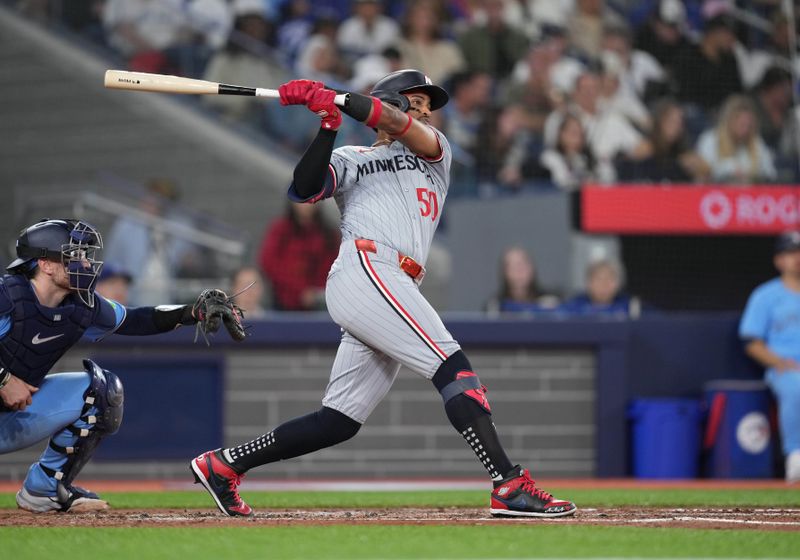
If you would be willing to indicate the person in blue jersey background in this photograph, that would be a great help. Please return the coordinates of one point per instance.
(770, 327)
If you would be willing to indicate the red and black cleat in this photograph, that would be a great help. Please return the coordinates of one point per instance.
(212, 471)
(517, 495)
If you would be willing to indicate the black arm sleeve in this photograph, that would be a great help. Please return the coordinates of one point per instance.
(311, 170)
(140, 321)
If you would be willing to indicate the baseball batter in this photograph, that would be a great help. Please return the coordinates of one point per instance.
(390, 196)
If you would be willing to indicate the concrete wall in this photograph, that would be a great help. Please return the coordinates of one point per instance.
(543, 404)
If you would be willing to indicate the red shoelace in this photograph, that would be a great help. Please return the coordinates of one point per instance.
(529, 485)
(233, 484)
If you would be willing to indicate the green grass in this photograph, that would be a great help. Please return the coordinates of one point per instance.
(535, 540)
(544, 539)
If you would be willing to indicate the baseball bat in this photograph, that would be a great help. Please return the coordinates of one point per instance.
(163, 83)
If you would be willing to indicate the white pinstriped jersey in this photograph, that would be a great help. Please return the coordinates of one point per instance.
(391, 195)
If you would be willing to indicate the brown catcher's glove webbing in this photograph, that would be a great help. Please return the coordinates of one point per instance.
(214, 308)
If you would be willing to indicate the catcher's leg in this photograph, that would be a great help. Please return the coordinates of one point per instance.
(96, 411)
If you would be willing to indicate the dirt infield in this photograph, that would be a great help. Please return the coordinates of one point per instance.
(690, 518)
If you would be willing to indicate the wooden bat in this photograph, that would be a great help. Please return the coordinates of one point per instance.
(163, 83)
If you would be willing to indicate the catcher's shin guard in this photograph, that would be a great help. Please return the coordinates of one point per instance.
(102, 411)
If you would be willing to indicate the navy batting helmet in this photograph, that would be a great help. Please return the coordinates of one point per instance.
(73, 243)
(390, 89)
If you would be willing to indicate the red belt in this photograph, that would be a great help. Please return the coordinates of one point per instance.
(406, 263)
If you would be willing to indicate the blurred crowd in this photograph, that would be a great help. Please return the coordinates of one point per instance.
(544, 92)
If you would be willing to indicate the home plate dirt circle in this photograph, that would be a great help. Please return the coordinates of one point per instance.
(775, 519)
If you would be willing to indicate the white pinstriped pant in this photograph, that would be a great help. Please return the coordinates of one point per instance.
(386, 322)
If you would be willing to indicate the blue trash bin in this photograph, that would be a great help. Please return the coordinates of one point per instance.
(666, 437)
(738, 440)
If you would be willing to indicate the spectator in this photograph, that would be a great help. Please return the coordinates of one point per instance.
(423, 46)
(754, 62)
(570, 161)
(734, 150)
(663, 36)
(169, 36)
(533, 17)
(493, 47)
(84, 17)
(603, 292)
(244, 60)
(247, 290)
(367, 31)
(770, 328)
(772, 101)
(610, 135)
(639, 73)
(296, 254)
(673, 159)
(514, 149)
(367, 70)
(618, 96)
(707, 73)
(585, 28)
(294, 30)
(114, 283)
(320, 59)
(464, 119)
(519, 290)
(142, 244)
(535, 92)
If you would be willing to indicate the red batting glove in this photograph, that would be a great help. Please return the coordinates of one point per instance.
(320, 101)
(294, 92)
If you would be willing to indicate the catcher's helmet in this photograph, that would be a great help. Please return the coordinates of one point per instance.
(389, 89)
(73, 243)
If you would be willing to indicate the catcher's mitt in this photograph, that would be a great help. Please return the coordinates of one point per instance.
(214, 308)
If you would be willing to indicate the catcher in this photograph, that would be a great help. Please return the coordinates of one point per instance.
(47, 303)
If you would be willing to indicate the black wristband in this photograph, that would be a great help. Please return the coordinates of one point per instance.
(358, 106)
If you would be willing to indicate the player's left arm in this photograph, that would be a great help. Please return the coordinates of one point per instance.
(414, 134)
(212, 309)
(113, 317)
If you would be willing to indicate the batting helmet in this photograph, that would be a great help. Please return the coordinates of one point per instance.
(73, 243)
(390, 89)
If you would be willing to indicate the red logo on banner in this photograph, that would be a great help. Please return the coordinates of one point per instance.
(686, 209)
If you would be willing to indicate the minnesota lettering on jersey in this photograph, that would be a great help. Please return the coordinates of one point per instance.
(400, 162)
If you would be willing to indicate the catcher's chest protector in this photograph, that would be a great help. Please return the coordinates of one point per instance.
(39, 335)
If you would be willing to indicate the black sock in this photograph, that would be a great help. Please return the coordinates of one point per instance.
(475, 424)
(318, 430)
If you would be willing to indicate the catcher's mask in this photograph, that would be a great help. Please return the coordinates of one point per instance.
(392, 87)
(73, 243)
